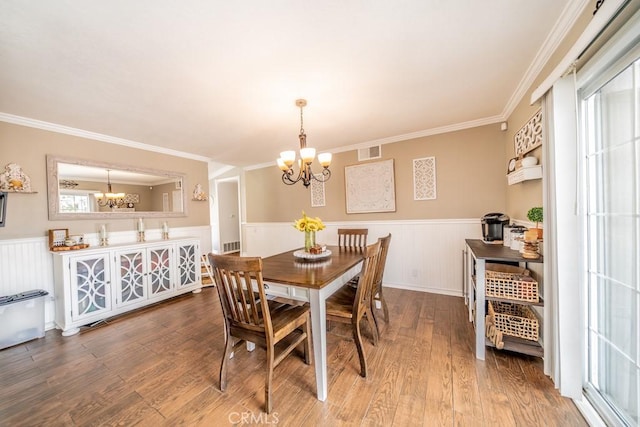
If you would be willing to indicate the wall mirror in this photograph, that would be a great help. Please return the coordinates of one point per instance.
(87, 189)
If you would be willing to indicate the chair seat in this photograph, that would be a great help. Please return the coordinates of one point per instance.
(340, 304)
(285, 318)
(283, 315)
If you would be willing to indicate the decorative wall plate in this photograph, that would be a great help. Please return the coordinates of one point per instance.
(14, 179)
(530, 136)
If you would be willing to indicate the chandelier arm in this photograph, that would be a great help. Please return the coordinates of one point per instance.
(322, 177)
(287, 180)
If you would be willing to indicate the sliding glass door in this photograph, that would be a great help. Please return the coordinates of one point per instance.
(611, 145)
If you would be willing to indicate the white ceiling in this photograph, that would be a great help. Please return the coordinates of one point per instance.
(219, 79)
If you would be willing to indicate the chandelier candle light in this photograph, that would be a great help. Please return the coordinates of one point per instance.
(307, 155)
(309, 226)
(110, 199)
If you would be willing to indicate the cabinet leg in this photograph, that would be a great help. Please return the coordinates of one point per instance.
(70, 332)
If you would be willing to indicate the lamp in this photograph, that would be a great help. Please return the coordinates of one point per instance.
(307, 154)
(109, 198)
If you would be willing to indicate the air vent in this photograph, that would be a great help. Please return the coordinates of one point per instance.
(374, 152)
(230, 247)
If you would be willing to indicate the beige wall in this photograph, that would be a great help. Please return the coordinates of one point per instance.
(470, 177)
(523, 196)
(27, 214)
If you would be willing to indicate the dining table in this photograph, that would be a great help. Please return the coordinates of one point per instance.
(314, 280)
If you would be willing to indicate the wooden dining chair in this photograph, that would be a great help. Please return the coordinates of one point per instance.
(376, 293)
(250, 316)
(351, 305)
(352, 238)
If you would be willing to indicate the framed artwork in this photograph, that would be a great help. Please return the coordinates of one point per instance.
(317, 194)
(370, 187)
(57, 237)
(530, 136)
(3, 208)
(424, 178)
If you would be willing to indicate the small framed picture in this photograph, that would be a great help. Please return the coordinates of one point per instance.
(3, 208)
(57, 237)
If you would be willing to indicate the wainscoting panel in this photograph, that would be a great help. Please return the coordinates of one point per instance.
(27, 264)
(424, 255)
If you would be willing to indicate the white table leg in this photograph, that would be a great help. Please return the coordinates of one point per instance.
(319, 332)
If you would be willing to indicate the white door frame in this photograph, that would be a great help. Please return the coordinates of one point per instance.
(235, 179)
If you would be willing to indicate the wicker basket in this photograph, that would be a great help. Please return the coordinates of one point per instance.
(515, 320)
(506, 268)
(515, 286)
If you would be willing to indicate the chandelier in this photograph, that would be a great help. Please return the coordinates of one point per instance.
(307, 154)
(110, 199)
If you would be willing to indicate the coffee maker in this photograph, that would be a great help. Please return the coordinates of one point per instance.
(492, 224)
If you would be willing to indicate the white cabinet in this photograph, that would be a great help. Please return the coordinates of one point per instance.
(189, 271)
(94, 284)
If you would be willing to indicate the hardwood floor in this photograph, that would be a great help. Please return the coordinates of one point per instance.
(159, 366)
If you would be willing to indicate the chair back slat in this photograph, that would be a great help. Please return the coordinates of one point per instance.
(382, 259)
(235, 279)
(352, 238)
(365, 282)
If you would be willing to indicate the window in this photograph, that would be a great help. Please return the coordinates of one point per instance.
(611, 143)
(76, 202)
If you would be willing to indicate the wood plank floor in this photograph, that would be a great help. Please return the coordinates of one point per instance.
(159, 367)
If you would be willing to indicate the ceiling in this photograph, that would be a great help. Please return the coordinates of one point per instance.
(219, 79)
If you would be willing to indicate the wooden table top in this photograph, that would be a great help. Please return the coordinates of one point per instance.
(497, 252)
(287, 269)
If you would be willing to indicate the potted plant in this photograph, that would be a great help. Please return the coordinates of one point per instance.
(535, 215)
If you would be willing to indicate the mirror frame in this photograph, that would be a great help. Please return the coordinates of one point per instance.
(53, 188)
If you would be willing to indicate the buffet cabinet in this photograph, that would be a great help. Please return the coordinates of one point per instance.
(94, 284)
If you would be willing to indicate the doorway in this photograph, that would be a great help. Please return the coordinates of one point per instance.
(228, 210)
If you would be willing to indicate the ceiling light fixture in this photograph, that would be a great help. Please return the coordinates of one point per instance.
(110, 199)
(307, 154)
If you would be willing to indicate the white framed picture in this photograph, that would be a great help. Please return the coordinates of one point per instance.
(317, 194)
(370, 187)
(424, 178)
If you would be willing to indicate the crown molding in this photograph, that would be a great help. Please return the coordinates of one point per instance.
(422, 133)
(52, 127)
(404, 137)
(565, 22)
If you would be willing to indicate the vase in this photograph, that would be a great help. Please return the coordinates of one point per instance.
(309, 240)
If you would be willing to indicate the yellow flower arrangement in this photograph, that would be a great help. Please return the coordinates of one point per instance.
(307, 223)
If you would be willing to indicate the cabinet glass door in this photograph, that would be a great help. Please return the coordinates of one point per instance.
(159, 270)
(90, 285)
(130, 279)
(188, 265)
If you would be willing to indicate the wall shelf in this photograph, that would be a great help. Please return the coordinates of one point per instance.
(525, 174)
